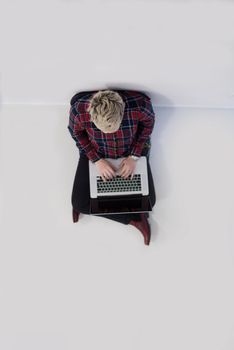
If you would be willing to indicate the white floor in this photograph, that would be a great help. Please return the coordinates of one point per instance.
(95, 285)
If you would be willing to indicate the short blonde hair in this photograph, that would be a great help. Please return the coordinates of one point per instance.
(106, 109)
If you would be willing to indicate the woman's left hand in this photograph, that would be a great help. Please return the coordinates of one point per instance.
(127, 167)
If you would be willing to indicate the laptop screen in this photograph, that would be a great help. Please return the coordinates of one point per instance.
(120, 204)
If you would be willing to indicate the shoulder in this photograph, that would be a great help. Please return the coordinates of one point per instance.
(134, 99)
(133, 94)
(81, 96)
(80, 101)
(138, 101)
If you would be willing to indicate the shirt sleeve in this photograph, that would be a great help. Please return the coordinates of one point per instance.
(80, 136)
(145, 127)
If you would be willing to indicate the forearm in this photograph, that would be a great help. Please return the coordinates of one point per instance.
(145, 128)
(84, 144)
(140, 142)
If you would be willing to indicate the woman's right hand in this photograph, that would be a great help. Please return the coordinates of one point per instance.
(105, 169)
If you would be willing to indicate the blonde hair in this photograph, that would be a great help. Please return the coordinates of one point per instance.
(106, 109)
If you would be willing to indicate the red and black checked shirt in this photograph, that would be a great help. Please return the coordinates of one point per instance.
(135, 129)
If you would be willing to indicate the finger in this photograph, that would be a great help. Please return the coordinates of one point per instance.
(107, 176)
(109, 170)
(120, 170)
(132, 174)
(103, 178)
(125, 174)
(113, 168)
(126, 170)
(129, 174)
(112, 173)
(122, 163)
(123, 171)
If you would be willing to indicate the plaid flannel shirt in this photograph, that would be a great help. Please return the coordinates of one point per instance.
(134, 132)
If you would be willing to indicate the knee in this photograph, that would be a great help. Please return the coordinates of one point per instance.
(84, 211)
(80, 201)
(153, 200)
(153, 203)
(81, 207)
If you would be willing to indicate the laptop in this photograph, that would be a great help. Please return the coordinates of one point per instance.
(119, 195)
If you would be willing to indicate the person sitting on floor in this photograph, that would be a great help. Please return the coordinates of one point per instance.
(111, 124)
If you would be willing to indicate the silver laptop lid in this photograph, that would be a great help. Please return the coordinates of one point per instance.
(118, 185)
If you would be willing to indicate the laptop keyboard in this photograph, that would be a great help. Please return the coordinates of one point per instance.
(119, 184)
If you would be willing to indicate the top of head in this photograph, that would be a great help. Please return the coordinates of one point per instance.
(106, 109)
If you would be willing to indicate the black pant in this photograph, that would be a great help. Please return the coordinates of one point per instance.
(81, 192)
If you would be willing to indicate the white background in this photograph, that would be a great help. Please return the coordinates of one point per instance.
(180, 50)
(94, 284)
